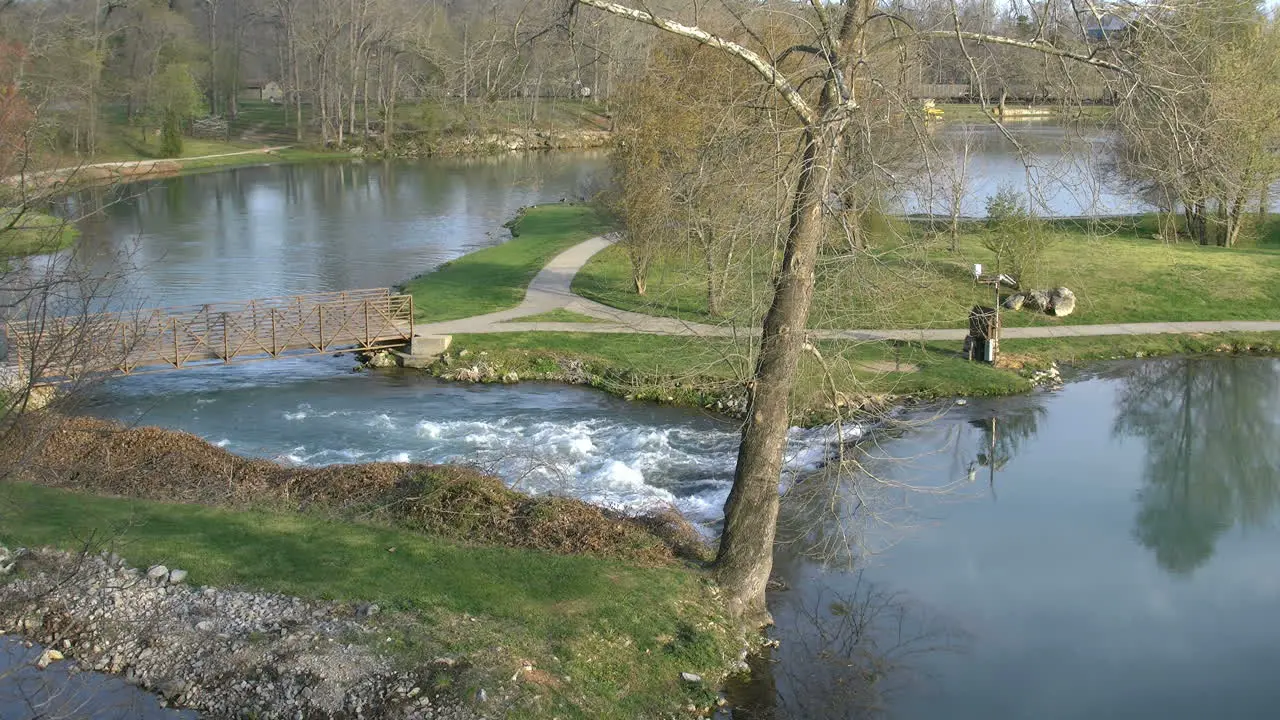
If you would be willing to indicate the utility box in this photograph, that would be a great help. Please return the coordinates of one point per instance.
(983, 341)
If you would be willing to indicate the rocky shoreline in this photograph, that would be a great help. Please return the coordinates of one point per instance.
(509, 141)
(224, 653)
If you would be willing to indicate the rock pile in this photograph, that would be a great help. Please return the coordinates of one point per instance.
(1058, 302)
(225, 653)
(1050, 377)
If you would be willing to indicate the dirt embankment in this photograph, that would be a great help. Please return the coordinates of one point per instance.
(449, 501)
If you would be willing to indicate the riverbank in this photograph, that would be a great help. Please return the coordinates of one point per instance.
(552, 606)
(26, 232)
(195, 647)
(266, 133)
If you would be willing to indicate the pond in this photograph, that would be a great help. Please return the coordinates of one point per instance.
(1108, 550)
(313, 227)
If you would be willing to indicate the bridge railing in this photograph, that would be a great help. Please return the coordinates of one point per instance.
(177, 337)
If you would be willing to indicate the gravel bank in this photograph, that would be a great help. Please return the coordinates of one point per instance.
(224, 653)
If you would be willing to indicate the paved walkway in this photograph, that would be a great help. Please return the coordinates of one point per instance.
(130, 168)
(551, 290)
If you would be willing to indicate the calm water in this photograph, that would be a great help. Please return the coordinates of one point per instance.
(55, 693)
(286, 229)
(1065, 169)
(1109, 551)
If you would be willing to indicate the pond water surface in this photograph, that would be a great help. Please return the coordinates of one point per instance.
(1110, 550)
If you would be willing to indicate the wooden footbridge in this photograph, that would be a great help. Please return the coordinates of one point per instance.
(201, 335)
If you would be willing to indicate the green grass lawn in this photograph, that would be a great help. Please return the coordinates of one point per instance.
(27, 232)
(557, 315)
(621, 634)
(496, 278)
(1042, 351)
(1118, 272)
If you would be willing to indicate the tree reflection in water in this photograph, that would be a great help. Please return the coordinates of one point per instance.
(847, 644)
(1001, 437)
(1212, 432)
(848, 650)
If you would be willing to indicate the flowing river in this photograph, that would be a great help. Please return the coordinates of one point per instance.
(1104, 550)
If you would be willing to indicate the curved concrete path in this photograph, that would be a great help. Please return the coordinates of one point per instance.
(552, 289)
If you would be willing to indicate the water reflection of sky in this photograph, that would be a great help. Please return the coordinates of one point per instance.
(1069, 608)
(286, 229)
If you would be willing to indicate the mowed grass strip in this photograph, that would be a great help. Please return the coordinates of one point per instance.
(621, 634)
(1118, 272)
(26, 232)
(495, 278)
(558, 315)
(691, 371)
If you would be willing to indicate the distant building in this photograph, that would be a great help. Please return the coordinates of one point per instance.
(268, 90)
(1108, 28)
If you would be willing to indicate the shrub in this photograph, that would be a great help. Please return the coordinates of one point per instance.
(1014, 235)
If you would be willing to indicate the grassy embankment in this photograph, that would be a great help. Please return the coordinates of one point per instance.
(427, 127)
(463, 567)
(1120, 275)
(32, 233)
(495, 278)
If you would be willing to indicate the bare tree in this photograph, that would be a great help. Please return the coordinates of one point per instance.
(828, 84)
(1201, 137)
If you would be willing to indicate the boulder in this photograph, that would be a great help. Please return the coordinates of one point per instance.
(48, 657)
(1037, 300)
(177, 576)
(1062, 302)
(158, 572)
(381, 359)
(1014, 301)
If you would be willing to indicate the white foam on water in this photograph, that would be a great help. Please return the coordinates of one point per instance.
(614, 462)
(223, 442)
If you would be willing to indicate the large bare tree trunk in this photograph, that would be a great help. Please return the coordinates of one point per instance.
(745, 558)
